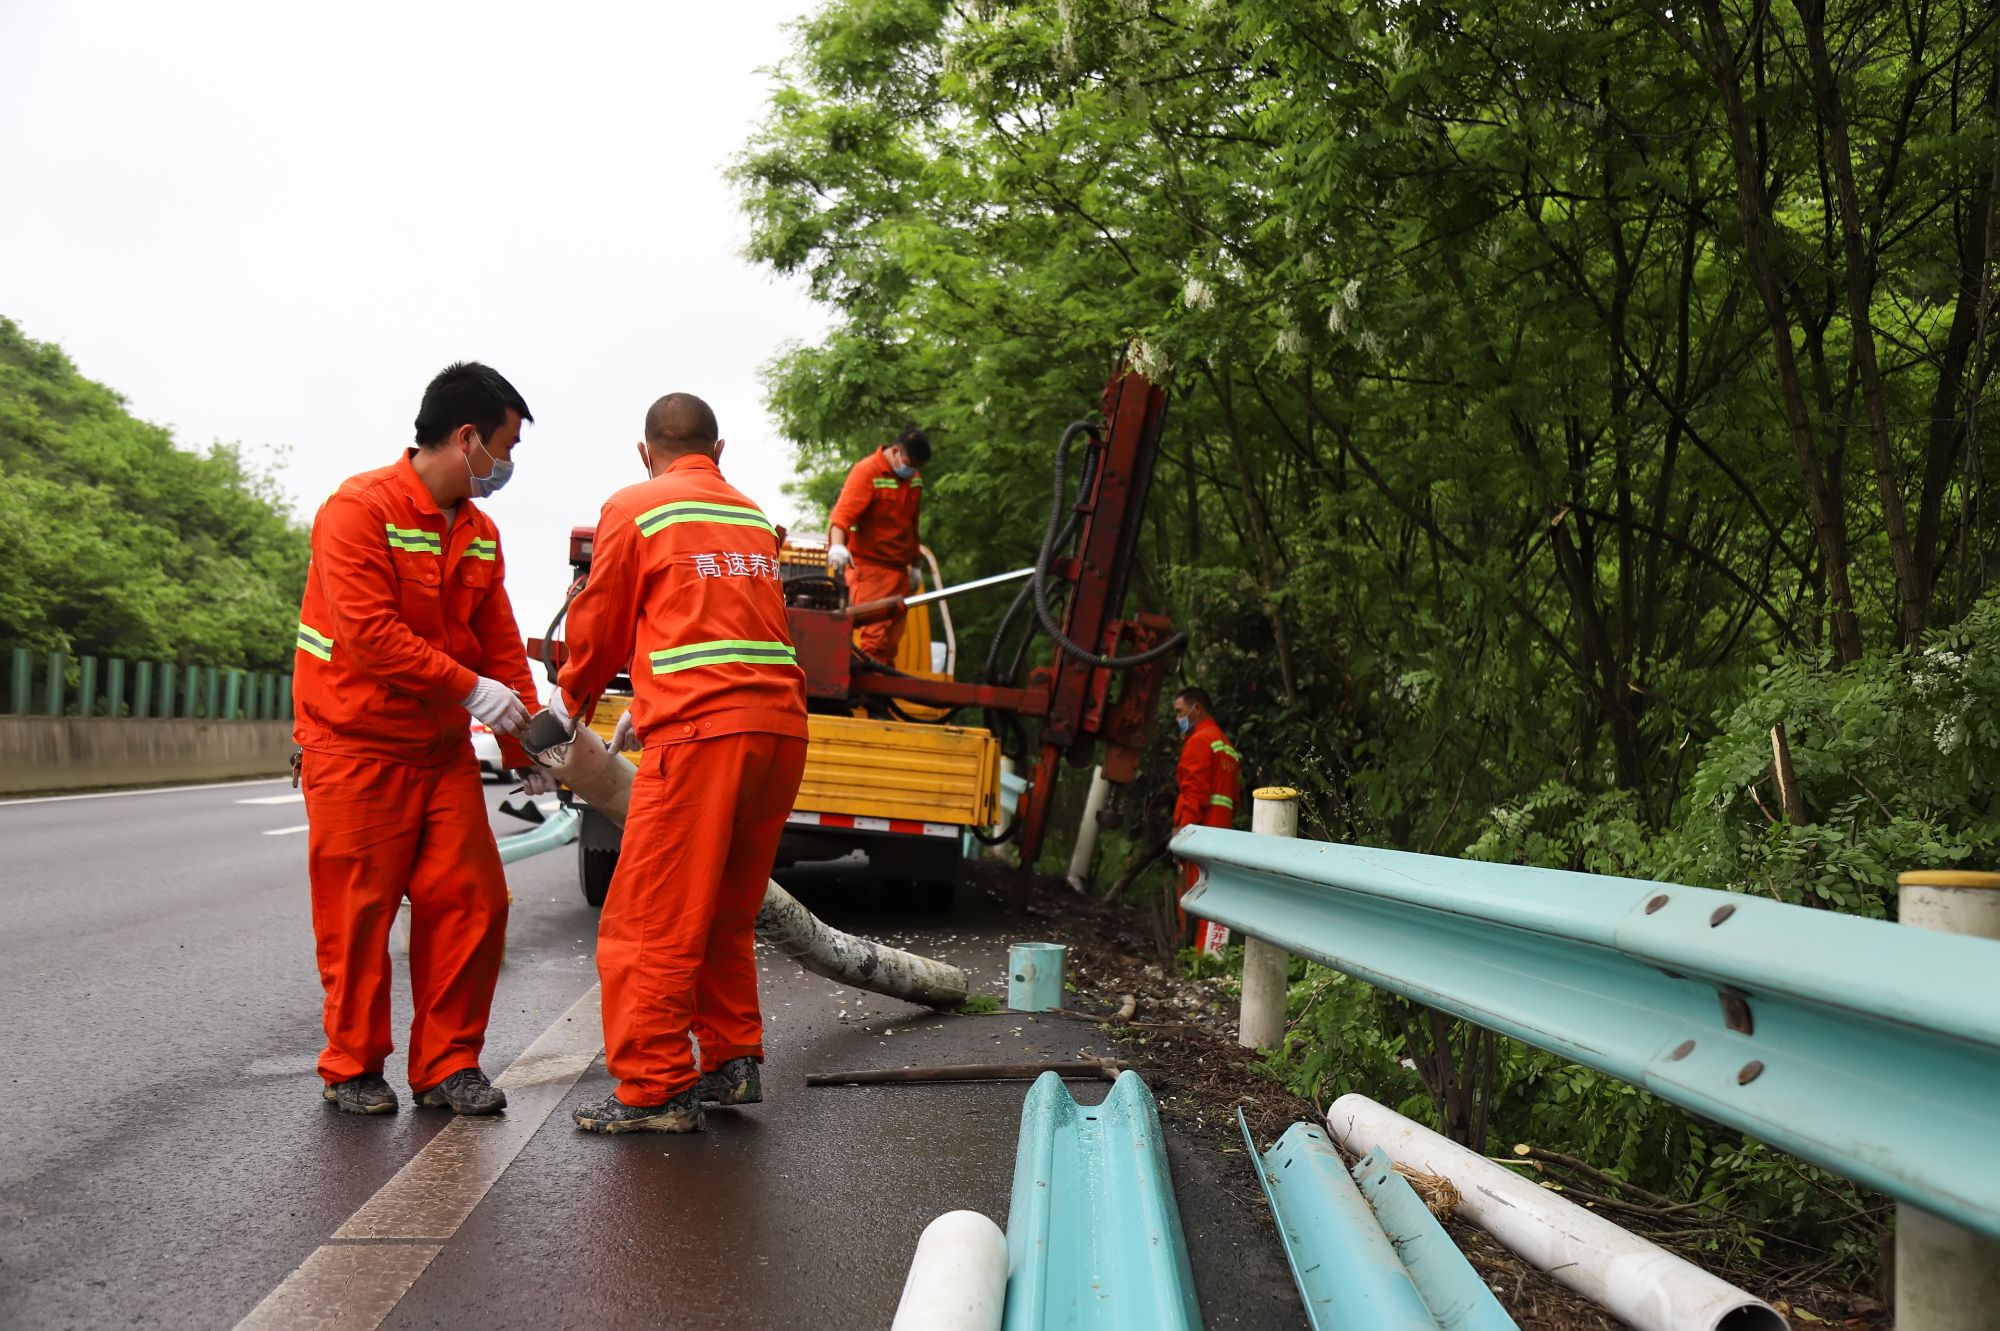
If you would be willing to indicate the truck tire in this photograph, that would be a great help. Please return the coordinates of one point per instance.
(594, 868)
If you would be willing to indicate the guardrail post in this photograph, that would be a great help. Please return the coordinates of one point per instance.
(285, 693)
(114, 686)
(1274, 811)
(167, 693)
(232, 695)
(52, 694)
(21, 672)
(142, 689)
(1086, 831)
(270, 706)
(214, 690)
(86, 685)
(1947, 1277)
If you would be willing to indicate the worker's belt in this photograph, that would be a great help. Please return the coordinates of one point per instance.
(723, 651)
(697, 510)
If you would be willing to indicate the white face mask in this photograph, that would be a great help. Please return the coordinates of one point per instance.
(497, 476)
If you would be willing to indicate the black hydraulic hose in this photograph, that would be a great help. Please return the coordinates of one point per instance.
(1040, 582)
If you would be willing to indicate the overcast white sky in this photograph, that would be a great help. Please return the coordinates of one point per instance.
(272, 223)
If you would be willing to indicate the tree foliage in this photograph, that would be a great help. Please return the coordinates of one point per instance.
(115, 541)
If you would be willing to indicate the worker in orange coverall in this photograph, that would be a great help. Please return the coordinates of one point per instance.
(872, 534)
(684, 588)
(1204, 779)
(405, 632)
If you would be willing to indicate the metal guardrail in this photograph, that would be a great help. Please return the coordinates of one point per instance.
(57, 684)
(559, 830)
(1867, 1047)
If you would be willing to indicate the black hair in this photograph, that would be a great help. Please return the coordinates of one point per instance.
(917, 444)
(467, 393)
(1198, 695)
(680, 423)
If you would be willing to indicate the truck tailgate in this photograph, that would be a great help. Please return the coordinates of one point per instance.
(892, 769)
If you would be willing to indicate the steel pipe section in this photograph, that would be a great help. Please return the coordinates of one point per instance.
(1868, 1048)
(1094, 1239)
(558, 830)
(958, 1278)
(1643, 1284)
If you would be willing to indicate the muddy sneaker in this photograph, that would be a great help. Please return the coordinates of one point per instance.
(736, 1082)
(680, 1114)
(464, 1092)
(361, 1095)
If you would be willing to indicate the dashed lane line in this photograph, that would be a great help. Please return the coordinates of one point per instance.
(356, 1279)
(295, 797)
(285, 831)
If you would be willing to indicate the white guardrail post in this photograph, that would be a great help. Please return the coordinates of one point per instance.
(1274, 811)
(1947, 1277)
(1086, 831)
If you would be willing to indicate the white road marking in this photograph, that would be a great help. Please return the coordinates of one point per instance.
(286, 831)
(296, 797)
(356, 1279)
(154, 790)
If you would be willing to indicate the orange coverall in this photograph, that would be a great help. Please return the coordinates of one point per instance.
(403, 611)
(1204, 786)
(878, 510)
(684, 586)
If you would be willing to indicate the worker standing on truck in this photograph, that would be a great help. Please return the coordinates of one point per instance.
(405, 630)
(1205, 778)
(684, 588)
(872, 534)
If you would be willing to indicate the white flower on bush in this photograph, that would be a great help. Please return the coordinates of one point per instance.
(1292, 341)
(1198, 294)
(1149, 360)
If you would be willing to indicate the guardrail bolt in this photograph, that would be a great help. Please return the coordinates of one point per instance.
(1749, 1073)
(1681, 1051)
(1656, 903)
(1721, 913)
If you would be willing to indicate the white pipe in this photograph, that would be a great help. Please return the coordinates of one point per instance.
(1640, 1283)
(1086, 832)
(1274, 811)
(1947, 1277)
(944, 614)
(958, 1279)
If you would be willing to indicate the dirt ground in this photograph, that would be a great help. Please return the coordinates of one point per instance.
(1181, 1035)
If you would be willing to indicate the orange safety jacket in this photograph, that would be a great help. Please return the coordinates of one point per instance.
(878, 510)
(403, 611)
(1205, 779)
(684, 589)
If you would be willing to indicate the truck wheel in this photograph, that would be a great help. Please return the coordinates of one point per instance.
(594, 868)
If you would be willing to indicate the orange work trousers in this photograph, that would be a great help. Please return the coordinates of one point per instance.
(870, 581)
(380, 831)
(676, 943)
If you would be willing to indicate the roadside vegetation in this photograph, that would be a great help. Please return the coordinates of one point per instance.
(1580, 417)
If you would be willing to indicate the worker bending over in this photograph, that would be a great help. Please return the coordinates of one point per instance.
(404, 630)
(684, 587)
(1205, 778)
(872, 534)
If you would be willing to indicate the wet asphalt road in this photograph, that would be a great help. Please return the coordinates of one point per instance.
(165, 1159)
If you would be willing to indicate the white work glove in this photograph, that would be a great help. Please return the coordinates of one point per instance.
(537, 780)
(837, 557)
(916, 579)
(624, 739)
(561, 712)
(498, 706)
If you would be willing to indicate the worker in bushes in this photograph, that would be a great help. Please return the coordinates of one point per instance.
(404, 631)
(684, 587)
(872, 534)
(1205, 779)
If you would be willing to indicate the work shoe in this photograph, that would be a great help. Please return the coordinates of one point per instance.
(736, 1082)
(612, 1115)
(464, 1092)
(366, 1094)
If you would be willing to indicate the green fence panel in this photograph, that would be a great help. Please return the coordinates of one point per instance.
(167, 694)
(114, 686)
(86, 686)
(142, 688)
(286, 691)
(21, 676)
(232, 696)
(191, 692)
(52, 694)
(214, 693)
(270, 691)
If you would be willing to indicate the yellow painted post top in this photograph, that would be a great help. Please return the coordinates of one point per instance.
(1948, 878)
(1274, 793)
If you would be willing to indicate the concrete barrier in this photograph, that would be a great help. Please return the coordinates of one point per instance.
(51, 753)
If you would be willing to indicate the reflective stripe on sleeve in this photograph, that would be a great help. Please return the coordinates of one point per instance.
(414, 539)
(483, 549)
(1222, 800)
(1222, 746)
(696, 510)
(314, 643)
(722, 651)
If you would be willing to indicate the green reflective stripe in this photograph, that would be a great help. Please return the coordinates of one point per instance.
(315, 643)
(916, 482)
(722, 651)
(1223, 800)
(414, 539)
(1222, 746)
(885, 482)
(488, 550)
(697, 510)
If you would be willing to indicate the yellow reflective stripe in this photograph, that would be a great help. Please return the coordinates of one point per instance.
(1222, 746)
(722, 651)
(414, 539)
(886, 482)
(314, 643)
(487, 550)
(700, 510)
(1223, 800)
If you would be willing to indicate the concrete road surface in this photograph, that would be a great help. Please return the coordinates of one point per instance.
(165, 1159)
